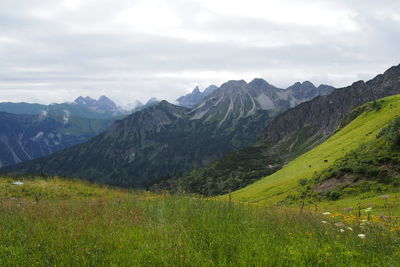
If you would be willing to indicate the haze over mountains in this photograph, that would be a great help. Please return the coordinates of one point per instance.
(164, 140)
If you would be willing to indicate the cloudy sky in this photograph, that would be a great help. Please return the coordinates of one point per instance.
(54, 51)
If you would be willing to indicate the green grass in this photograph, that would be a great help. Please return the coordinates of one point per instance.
(79, 224)
(362, 130)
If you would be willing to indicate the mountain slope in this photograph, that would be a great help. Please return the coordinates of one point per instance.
(24, 137)
(362, 130)
(301, 128)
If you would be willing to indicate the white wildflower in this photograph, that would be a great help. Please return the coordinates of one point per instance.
(351, 229)
(324, 222)
(326, 213)
(362, 236)
(341, 230)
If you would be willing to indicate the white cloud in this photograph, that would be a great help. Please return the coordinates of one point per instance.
(56, 50)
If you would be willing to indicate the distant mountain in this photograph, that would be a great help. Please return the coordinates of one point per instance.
(152, 101)
(103, 105)
(195, 96)
(164, 140)
(136, 105)
(25, 137)
(305, 91)
(85, 107)
(238, 99)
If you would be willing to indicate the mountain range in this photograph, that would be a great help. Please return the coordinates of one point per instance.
(164, 140)
(289, 135)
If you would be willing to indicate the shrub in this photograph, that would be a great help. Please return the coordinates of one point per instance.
(392, 133)
(303, 181)
(334, 195)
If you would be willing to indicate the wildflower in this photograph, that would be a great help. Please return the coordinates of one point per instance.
(324, 222)
(364, 220)
(385, 196)
(348, 209)
(362, 236)
(341, 230)
(326, 213)
(368, 209)
(17, 183)
(349, 228)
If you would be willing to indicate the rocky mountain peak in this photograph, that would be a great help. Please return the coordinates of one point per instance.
(210, 89)
(102, 105)
(258, 82)
(233, 84)
(152, 101)
(84, 100)
(195, 96)
(196, 90)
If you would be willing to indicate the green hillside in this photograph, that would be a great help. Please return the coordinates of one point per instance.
(362, 130)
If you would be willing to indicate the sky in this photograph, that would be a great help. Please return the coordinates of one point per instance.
(54, 51)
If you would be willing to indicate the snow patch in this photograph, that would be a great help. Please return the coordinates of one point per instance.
(66, 116)
(37, 136)
(43, 114)
(131, 157)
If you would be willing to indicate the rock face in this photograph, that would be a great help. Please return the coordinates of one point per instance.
(164, 139)
(24, 137)
(195, 97)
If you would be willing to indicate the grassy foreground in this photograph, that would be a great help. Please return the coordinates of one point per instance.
(57, 222)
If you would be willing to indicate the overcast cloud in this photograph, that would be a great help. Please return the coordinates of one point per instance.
(54, 51)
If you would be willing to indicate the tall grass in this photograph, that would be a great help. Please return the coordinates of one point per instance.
(141, 229)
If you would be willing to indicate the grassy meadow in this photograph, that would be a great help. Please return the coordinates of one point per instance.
(56, 222)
